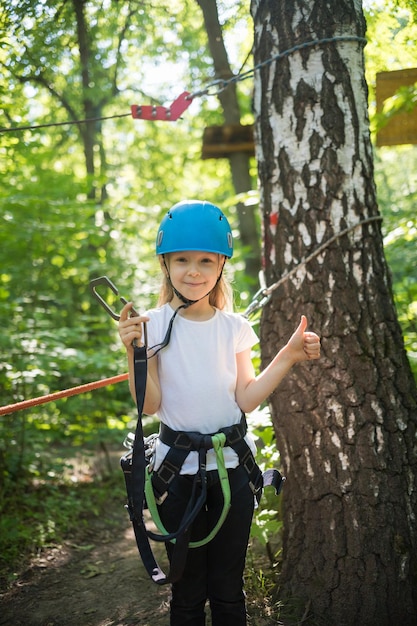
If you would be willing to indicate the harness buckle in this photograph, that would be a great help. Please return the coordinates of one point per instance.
(249, 462)
(167, 472)
(159, 500)
(234, 435)
(182, 441)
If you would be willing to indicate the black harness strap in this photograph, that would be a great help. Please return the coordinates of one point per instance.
(182, 442)
(134, 467)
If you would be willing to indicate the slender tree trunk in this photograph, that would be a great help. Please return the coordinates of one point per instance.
(346, 427)
(239, 161)
(88, 130)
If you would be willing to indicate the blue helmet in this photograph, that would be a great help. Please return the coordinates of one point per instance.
(195, 225)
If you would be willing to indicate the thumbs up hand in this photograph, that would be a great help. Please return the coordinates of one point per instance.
(303, 345)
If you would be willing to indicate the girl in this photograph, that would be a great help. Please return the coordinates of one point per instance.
(201, 378)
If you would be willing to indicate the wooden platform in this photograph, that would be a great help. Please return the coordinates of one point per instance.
(402, 128)
(221, 141)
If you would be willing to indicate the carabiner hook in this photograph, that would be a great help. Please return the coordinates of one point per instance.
(104, 280)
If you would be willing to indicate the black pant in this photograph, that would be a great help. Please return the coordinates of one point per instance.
(213, 572)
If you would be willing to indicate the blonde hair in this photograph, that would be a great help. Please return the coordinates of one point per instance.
(220, 297)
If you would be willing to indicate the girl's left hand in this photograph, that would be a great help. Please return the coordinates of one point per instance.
(304, 345)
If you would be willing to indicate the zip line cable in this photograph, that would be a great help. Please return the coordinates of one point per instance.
(218, 85)
(69, 123)
(222, 84)
(263, 296)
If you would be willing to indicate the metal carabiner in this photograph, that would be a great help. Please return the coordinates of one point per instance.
(104, 280)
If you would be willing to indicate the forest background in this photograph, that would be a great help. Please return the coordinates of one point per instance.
(65, 220)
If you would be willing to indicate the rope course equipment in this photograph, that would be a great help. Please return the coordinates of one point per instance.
(66, 393)
(263, 296)
(183, 101)
(161, 113)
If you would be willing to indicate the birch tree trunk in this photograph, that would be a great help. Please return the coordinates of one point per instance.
(345, 426)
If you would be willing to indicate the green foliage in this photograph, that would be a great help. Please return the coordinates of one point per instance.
(53, 240)
(43, 512)
(395, 175)
(391, 33)
(409, 5)
(264, 556)
(267, 525)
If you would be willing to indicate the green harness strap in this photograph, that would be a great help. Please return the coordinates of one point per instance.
(218, 441)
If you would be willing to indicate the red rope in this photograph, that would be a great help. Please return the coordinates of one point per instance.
(66, 393)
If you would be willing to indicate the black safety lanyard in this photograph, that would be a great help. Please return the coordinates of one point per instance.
(135, 485)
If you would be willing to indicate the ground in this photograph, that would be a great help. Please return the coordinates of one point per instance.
(99, 582)
(97, 579)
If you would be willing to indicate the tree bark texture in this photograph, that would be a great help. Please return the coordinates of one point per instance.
(346, 425)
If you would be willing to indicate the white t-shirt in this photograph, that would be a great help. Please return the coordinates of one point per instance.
(197, 374)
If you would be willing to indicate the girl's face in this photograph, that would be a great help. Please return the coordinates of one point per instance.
(193, 274)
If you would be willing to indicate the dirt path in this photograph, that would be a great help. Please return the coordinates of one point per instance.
(96, 580)
(100, 582)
